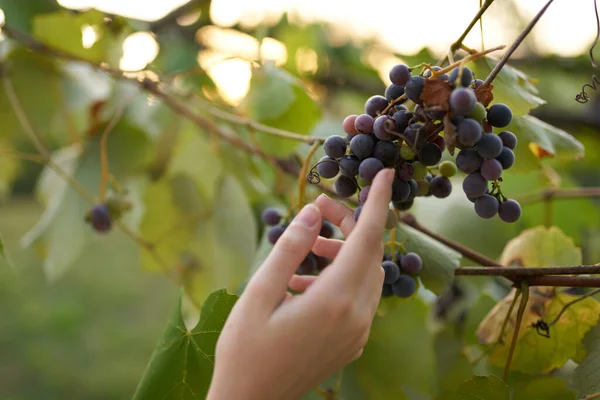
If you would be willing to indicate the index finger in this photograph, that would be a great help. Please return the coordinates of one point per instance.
(362, 251)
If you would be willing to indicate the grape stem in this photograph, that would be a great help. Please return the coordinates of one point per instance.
(469, 58)
(516, 44)
(520, 312)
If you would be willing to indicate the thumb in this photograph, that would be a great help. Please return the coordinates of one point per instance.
(271, 280)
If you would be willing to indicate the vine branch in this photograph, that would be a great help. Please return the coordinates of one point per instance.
(528, 271)
(458, 43)
(565, 193)
(513, 343)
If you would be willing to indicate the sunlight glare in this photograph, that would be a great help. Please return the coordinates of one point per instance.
(89, 36)
(307, 61)
(139, 49)
(232, 78)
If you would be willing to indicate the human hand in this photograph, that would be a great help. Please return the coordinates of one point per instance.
(278, 346)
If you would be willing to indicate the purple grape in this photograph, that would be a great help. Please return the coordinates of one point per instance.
(327, 168)
(440, 187)
(369, 167)
(344, 186)
(386, 152)
(375, 105)
(399, 74)
(469, 132)
(405, 286)
(384, 128)
(400, 190)
(414, 88)
(335, 147)
(403, 205)
(506, 158)
(478, 82)
(392, 92)
(462, 101)
(364, 194)
(499, 115)
(411, 263)
(508, 139)
(364, 123)
(405, 171)
(392, 272)
(362, 146)
(271, 217)
(509, 211)
(308, 266)
(357, 212)
(275, 233)
(414, 189)
(475, 185)
(491, 169)
(99, 218)
(486, 206)
(466, 77)
(348, 124)
(326, 229)
(489, 146)
(468, 161)
(349, 165)
(430, 154)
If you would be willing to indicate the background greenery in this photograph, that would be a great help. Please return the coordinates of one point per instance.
(80, 314)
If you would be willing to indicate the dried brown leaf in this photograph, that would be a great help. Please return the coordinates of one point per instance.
(436, 93)
(449, 134)
(484, 94)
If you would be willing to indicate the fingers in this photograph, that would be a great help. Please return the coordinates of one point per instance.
(328, 248)
(271, 280)
(363, 249)
(300, 283)
(337, 213)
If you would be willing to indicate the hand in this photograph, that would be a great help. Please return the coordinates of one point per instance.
(278, 346)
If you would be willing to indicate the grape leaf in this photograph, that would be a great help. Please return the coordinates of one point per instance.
(537, 140)
(4, 254)
(439, 261)
(451, 364)
(480, 388)
(9, 169)
(543, 388)
(278, 99)
(511, 86)
(585, 379)
(182, 364)
(19, 14)
(541, 247)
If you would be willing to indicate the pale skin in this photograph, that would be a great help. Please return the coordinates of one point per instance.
(276, 345)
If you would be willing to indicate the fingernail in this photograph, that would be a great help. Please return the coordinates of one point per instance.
(308, 216)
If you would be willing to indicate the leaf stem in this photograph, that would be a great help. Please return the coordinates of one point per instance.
(516, 44)
(520, 312)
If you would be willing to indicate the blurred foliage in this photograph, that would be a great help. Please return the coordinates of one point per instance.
(75, 299)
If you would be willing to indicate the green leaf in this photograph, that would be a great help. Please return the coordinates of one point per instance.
(538, 140)
(481, 307)
(451, 364)
(63, 30)
(9, 169)
(585, 379)
(4, 254)
(543, 388)
(19, 14)
(439, 261)
(541, 247)
(511, 86)
(182, 364)
(480, 388)
(278, 99)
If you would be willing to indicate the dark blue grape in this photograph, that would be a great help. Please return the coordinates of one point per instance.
(364, 194)
(489, 146)
(430, 154)
(375, 105)
(275, 233)
(335, 147)
(405, 171)
(466, 77)
(405, 286)
(399, 74)
(462, 101)
(100, 218)
(478, 82)
(508, 139)
(468, 161)
(326, 229)
(386, 291)
(440, 187)
(472, 199)
(392, 272)
(443, 77)
(384, 128)
(509, 211)
(411, 263)
(357, 212)
(308, 266)
(414, 189)
(386, 152)
(327, 167)
(475, 185)
(469, 132)
(499, 115)
(364, 123)
(491, 169)
(506, 158)
(403, 205)
(362, 146)
(392, 92)
(271, 216)
(349, 165)
(322, 263)
(414, 88)
(486, 206)
(369, 167)
(344, 186)
(400, 190)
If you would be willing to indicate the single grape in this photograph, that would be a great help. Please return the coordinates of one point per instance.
(466, 77)
(369, 167)
(386, 291)
(400, 190)
(335, 146)
(399, 107)
(308, 266)
(384, 128)
(344, 186)
(362, 146)
(475, 185)
(357, 212)
(427, 72)
(423, 187)
(469, 132)
(348, 124)
(420, 170)
(392, 272)
(430, 154)
(364, 194)
(489, 146)
(392, 92)
(478, 113)
(322, 263)
(275, 233)
(447, 169)
(326, 229)
(405, 286)
(327, 167)
(486, 206)
(403, 205)
(391, 220)
(414, 88)
(99, 218)
(508, 139)
(440, 187)
(462, 101)
(468, 161)
(478, 82)
(364, 123)
(414, 189)
(402, 119)
(509, 211)
(349, 165)
(411, 263)
(506, 158)
(440, 142)
(405, 171)
(399, 74)
(271, 216)
(499, 115)
(407, 153)
(491, 169)
(410, 133)
(375, 105)
(472, 199)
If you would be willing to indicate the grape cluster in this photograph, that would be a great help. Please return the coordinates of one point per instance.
(312, 263)
(411, 141)
(401, 274)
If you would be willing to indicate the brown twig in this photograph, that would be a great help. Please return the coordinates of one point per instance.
(569, 304)
(528, 271)
(565, 193)
(516, 44)
(520, 312)
(456, 45)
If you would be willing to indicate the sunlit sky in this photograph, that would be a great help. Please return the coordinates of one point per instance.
(567, 28)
